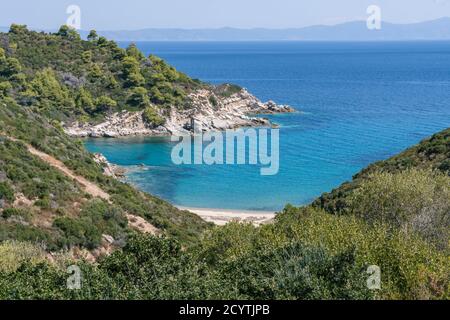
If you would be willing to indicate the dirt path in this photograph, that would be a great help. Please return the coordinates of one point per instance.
(88, 186)
(135, 222)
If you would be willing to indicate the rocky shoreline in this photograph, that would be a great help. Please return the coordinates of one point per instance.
(109, 169)
(208, 112)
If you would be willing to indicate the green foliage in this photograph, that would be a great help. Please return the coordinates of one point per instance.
(131, 72)
(78, 233)
(10, 67)
(296, 271)
(411, 268)
(15, 212)
(168, 85)
(105, 104)
(5, 88)
(396, 218)
(84, 101)
(99, 66)
(134, 52)
(152, 117)
(93, 36)
(48, 94)
(227, 90)
(213, 101)
(445, 166)
(6, 192)
(96, 219)
(96, 71)
(68, 33)
(139, 97)
(414, 200)
(25, 233)
(18, 29)
(305, 254)
(13, 254)
(58, 194)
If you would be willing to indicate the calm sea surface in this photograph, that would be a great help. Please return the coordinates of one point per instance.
(360, 102)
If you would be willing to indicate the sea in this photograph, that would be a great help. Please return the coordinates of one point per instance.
(357, 103)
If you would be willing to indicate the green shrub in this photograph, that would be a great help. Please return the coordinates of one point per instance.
(213, 101)
(296, 271)
(10, 212)
(78, 232)
(6, 192)
(411, 268)
(134, 52)
(13, 254)
(24, 233)
(227, 90)
(413, 200)
(131, 72)
(105, 103)
(5, 88)
(139, 97)
(152, 117)
(445, 166)
(96, 218)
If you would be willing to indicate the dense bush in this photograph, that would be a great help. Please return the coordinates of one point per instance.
(413, 200)
(16, 212)
(304, 255)
(71, 79)
(6, 192)
(13, 254)
(152, 117)
(95, 219)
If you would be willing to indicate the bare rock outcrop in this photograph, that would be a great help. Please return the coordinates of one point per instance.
(109, 169)
(208, 110)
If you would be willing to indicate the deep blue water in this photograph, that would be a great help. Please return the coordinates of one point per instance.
(361, 102)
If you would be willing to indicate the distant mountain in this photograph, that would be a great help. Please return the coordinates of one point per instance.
(351, 31)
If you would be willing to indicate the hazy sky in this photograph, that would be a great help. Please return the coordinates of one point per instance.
(137, 14)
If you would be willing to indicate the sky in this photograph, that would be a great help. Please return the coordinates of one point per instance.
(140, 14)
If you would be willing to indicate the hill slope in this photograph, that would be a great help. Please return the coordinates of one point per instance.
(58, 208)
(432, 153)
(43, 203)
(97, 88)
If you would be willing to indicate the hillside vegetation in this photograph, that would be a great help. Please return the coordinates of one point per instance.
(57, 200)
(432, 153)
(69, 79)
(394, 214)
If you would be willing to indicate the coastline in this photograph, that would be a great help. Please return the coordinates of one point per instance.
(221, 217)
(225, 113)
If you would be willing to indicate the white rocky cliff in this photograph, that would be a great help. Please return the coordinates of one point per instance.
(208, 111)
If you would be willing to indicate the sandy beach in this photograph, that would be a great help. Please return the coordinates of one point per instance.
(223, 216)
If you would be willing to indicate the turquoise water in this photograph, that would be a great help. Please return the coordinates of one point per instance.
(360, 102)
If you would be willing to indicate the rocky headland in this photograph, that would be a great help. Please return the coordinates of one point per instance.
(208, 111)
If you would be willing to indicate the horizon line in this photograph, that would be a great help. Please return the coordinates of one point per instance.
(227, 27)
